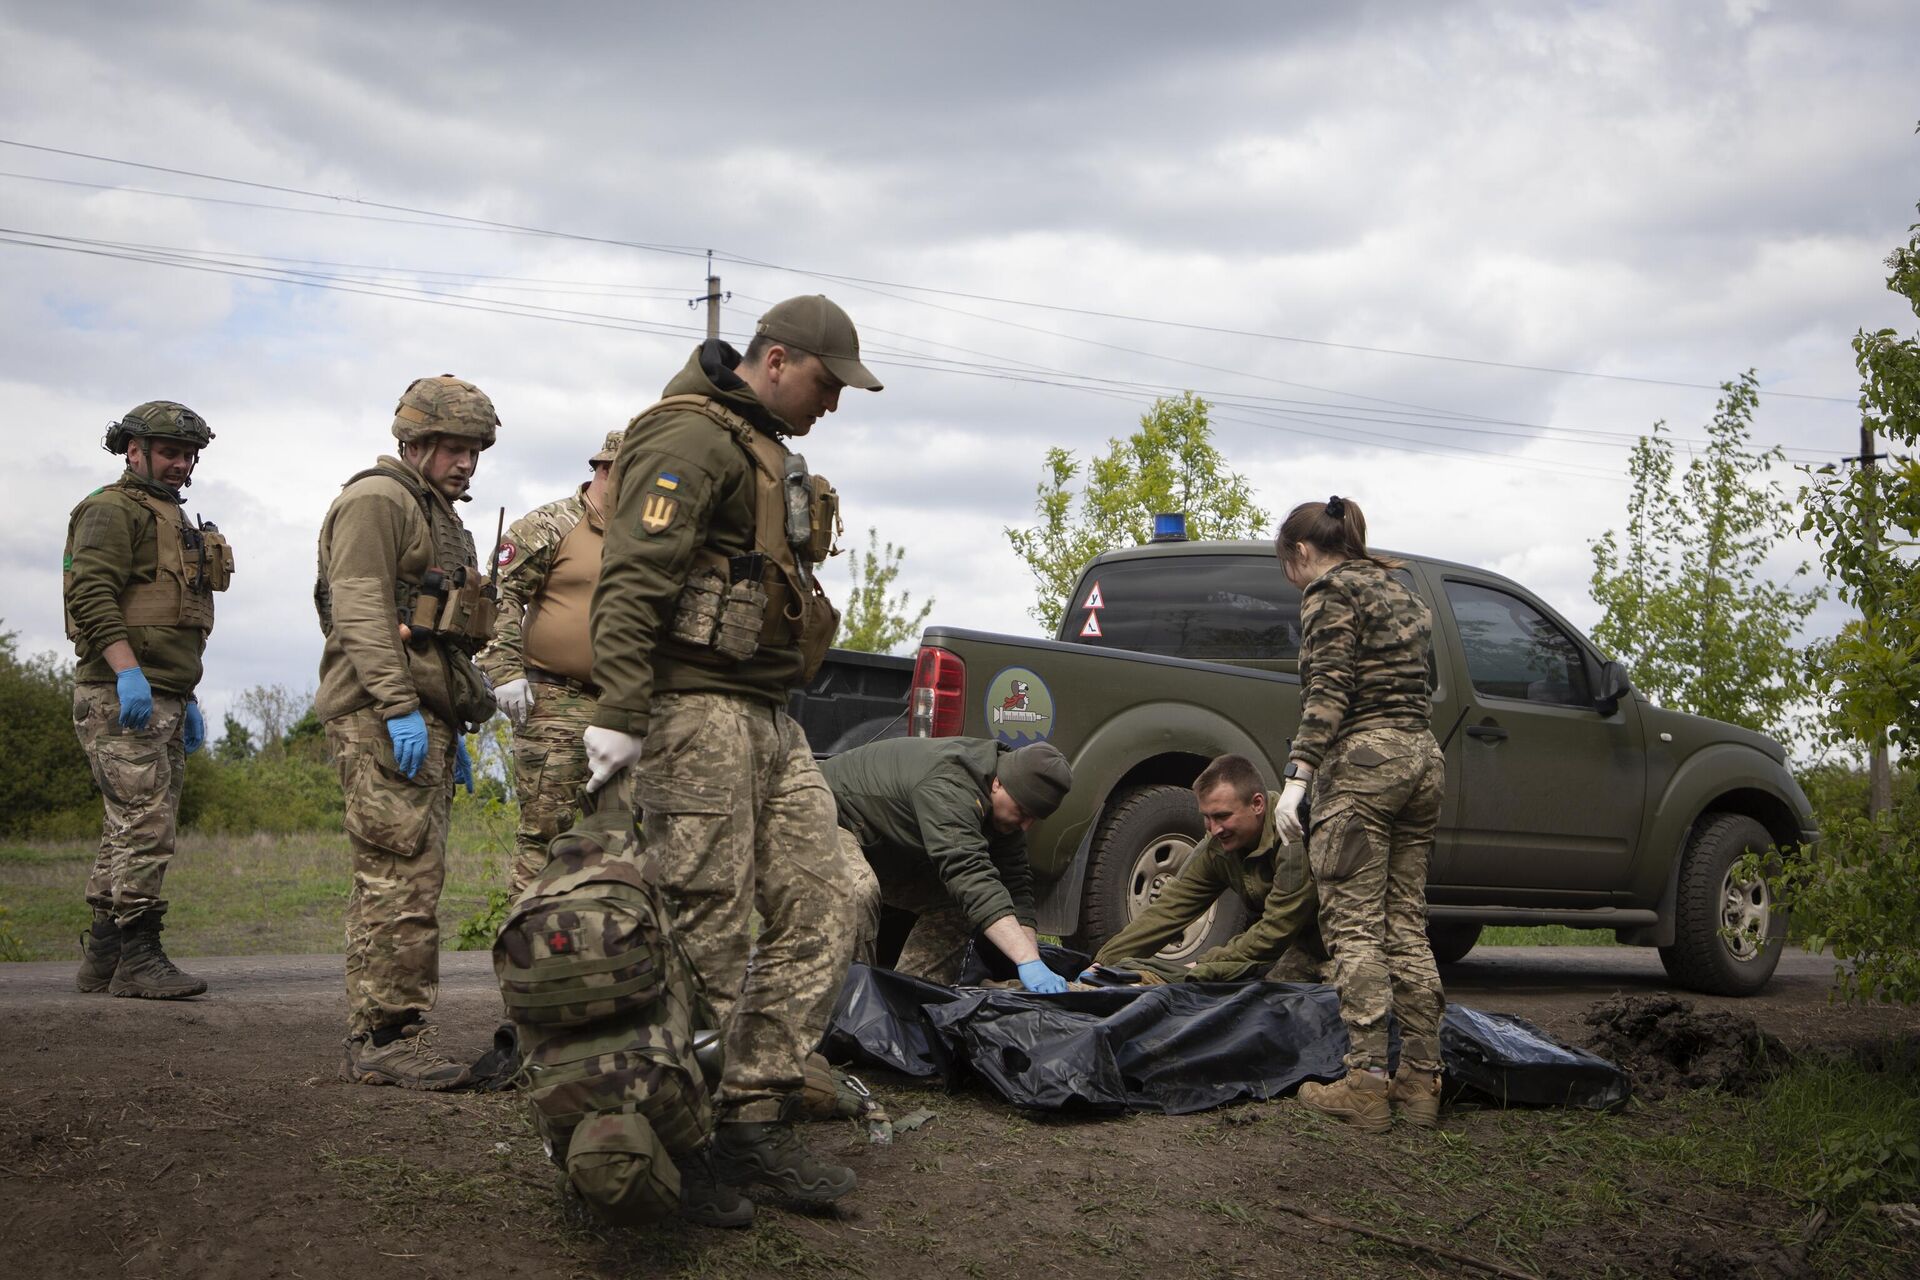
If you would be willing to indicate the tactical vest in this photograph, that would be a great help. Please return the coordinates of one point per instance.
(796, 523)
(451, 604)
(191, 562)
(605, 1005)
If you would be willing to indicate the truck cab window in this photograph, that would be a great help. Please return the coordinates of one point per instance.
(1514, 651)
(1214, 608)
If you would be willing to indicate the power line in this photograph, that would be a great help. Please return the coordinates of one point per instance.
(874, 284)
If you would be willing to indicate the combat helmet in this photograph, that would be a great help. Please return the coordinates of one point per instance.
(158, 419)
(444, 406)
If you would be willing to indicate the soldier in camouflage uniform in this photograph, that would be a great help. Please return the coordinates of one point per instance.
(1377, 776)
(1243, 855)
(402, 605)
(138, 583)
(708, 613)
(540, 661)
(943, 823)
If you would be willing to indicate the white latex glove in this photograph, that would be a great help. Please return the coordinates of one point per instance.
(516, 699)
(608, 752)
(1286, 820)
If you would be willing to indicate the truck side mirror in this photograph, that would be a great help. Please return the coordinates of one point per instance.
(1614, 686)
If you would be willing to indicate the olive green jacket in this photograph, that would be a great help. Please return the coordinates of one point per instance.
(915, 802)
(1273, 882)
(110, 543)
(374, 536)
(685, 466)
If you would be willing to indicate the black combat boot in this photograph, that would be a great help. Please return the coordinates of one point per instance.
(771, 1154)
(99, 953)
(704, 1199)
(144, 969)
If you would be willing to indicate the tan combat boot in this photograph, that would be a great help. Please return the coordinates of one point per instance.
(1415, 1097)
(403, 1056)
(1358, 1097)
(99, 953)
(144, 969)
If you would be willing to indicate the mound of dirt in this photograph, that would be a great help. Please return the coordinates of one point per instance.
(1663, 1043)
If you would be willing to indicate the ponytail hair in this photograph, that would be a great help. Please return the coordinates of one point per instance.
(1336, 527)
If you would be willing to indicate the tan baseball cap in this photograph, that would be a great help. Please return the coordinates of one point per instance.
(815, 324)
(609, 448)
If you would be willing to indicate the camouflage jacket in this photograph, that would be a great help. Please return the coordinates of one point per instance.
(525, 558)
(915, 803)
(1364, 643)
(111, 541)
(1271, 882)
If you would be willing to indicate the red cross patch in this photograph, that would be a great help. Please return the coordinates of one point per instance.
(559, 943)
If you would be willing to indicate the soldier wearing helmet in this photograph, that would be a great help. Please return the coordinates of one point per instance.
(403, 605)
(541, 658)
(138, 582)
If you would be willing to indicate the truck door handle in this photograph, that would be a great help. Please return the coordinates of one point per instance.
(1490, 732)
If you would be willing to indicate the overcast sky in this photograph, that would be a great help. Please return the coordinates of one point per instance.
(1347, 223)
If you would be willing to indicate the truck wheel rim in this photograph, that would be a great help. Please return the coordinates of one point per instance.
(1153, 871)
(1746, 910)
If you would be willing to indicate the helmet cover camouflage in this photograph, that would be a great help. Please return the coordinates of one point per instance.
(609, 448)
(159, 419)
(444, 405)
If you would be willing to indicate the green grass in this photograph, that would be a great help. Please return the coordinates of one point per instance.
(240, 895)
(1546, 935)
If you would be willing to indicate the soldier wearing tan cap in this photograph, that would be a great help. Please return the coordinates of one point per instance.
(403, 607)
(541, 657)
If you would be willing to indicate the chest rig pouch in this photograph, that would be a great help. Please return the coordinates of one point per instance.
(191, 562)
(771, 596)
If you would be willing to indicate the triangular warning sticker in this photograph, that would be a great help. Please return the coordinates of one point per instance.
(1093, 600)
(1092, 627)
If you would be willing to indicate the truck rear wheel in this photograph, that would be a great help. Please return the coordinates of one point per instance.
(1144, 840)
(1451, 940)
(1727, 929)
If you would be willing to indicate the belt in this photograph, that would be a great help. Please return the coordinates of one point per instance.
(537, 676)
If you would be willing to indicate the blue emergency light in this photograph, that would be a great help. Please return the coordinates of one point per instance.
(1170, 526)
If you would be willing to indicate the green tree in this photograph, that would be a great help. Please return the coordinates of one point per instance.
(1169, 464)
(876, 621)
(47, 773)
(1858, 891)
(1687, 604)
(236, 742)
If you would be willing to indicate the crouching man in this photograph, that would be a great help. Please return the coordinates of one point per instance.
(943, 823)
(1244, 855)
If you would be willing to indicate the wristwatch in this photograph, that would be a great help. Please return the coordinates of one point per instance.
(1293, 771)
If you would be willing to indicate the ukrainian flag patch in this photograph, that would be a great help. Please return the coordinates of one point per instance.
(667, 480)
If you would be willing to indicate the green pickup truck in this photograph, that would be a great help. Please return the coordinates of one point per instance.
(1570, 800)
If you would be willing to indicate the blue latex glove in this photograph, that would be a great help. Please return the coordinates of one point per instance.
(1087, 974)
(409, 734)
(462, 765)
(1036, 977)
(136, 698)
(196, 727)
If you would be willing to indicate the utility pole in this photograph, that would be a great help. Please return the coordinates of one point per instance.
(1879, 770)
(713, 298)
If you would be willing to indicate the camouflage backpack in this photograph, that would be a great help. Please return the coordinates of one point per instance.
(604, 1004)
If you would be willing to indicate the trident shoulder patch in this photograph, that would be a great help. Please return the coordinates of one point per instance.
(658, 512)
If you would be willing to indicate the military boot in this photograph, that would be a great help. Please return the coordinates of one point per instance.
(770, 1154)
(99, 953)
(401, 1055)
(144, 969)
(1415, 1097)
(704, 1199)
(1358, 1097)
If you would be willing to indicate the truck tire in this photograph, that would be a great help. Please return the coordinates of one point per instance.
(1711, 900)
(1144, 839)
(1451, 940)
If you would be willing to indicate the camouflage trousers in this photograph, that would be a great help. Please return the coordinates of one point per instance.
(549, 772)
(1376, 802)
(139, 773)
(397, 832)
(740, 819)
(936, 946)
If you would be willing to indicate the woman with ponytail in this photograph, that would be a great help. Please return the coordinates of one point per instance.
(1365, 750)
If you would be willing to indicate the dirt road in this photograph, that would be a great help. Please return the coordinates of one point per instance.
(211, 1138)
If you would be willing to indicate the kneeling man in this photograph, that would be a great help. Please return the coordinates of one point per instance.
(943, 823)
(1244, 855)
